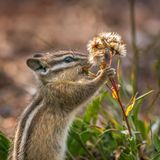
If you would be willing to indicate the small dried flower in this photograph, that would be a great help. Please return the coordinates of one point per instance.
(104, 46)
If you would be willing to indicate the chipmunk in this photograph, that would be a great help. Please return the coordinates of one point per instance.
(63, 88)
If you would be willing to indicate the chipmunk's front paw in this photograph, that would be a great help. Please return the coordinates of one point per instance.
(110, 72)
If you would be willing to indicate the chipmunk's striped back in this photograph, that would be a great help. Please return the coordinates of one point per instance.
(22, 130)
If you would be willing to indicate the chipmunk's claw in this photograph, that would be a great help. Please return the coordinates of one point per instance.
(111, 72)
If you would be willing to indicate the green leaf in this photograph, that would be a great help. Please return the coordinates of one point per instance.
(156, 156)
(130, 106)
(142, 128)
(73, 144)
(85, 136)
(156, 142)
(133, 81)
(136, 109)
(93, 109)
(109, 141)
(4, 146)
(126, 156)
(133, 145)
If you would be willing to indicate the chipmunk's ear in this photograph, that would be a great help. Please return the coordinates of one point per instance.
(36, 65)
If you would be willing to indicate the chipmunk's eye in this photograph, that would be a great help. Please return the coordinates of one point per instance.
(38, 55)
(68, 59)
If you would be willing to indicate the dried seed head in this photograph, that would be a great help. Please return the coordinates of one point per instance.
(103, 45)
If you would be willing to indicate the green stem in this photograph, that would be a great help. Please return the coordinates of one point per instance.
(70, 155)
(134, 46)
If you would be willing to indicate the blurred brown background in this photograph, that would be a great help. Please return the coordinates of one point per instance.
(29, 26)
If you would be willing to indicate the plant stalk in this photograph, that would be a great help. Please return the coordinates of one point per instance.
(121, 105)
(135, 67)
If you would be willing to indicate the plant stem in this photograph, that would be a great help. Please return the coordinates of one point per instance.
(70, 155)
(121, 105)
(135, 67)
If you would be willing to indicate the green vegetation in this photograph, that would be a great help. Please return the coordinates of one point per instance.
(4, 146)
(101, 133)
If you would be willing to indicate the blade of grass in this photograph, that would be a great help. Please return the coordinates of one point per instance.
(70, 155)
(144, 95)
